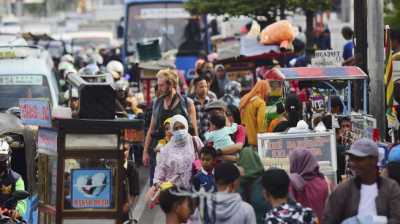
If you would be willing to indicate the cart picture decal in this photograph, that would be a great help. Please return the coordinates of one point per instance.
(91, 188)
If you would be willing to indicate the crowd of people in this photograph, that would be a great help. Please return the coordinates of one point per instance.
(201, 138)
(203, 142)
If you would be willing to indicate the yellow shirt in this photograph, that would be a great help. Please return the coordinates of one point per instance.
(253, 118)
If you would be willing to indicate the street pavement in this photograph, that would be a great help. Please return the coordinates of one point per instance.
(142, 212)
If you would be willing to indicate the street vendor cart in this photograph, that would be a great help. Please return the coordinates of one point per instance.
(274, 148)
(335, 80)
(90, 170)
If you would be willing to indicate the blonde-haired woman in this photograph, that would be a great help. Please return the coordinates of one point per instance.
(170, 103)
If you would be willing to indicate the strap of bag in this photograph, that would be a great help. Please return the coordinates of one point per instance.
(196, 148)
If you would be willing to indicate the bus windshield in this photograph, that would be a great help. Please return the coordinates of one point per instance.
(163, 21)
(14, 87)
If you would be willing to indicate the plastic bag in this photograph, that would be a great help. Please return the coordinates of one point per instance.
(281, 33)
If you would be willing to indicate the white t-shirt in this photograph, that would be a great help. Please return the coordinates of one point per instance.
(367, 204)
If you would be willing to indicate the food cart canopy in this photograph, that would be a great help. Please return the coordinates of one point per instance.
(317, 73)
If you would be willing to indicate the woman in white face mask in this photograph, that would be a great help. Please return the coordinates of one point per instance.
(177, 157)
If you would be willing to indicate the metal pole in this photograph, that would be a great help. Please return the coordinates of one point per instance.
(348, 97)
(361, 46)
(365, 96)
(376, 58)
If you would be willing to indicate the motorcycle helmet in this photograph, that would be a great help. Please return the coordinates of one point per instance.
(5, 158)
(116, 69)
(67, 58)
(89, 70)
(64, 65)
(16, 111)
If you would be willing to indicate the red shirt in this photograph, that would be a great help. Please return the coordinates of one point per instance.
(240, 135)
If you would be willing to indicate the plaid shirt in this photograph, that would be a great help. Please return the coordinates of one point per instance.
(201, 115)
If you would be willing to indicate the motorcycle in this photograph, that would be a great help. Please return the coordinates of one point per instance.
(8, 206)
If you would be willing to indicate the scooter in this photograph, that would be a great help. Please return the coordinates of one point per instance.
(10, 205)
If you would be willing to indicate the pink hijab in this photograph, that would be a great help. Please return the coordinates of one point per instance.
(303, 167)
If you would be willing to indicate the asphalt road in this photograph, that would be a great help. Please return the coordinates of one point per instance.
(142, 212)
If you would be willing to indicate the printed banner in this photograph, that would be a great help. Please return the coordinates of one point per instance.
(35, 112)
(47, 141)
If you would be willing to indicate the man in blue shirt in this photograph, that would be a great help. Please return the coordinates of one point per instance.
(347, 34)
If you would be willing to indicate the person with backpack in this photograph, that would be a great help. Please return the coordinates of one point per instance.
(170, 103)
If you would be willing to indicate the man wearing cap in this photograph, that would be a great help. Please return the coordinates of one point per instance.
(227, 206)
(367, 195)
(239, 137)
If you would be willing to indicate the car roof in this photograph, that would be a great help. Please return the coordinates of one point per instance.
(87, 34)
(24, 66)
(35, 61)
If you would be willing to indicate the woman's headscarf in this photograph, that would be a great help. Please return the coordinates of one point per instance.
(303, 167)
(181, 119)
(261, 89)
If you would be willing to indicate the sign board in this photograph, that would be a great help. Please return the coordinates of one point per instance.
(91, 188)
(89, 221)
(30, 80)
(164, 13)
(33, 1)
(363, 126)
(35, 112)
(274, 148)
(327, 58)
(47, 141)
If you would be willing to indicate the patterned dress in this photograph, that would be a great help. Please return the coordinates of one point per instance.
(291, 214)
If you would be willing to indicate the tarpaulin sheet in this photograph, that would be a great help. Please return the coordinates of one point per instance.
(317, 73)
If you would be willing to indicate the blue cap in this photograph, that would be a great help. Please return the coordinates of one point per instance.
(394, 155)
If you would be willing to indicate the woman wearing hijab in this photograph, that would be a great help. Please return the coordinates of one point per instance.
(178, 155)
(252, 110)
(308, 185)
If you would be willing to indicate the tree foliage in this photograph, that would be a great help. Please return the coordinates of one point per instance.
(392, 14)
(252, 8)
(260, 10)
(309, 5)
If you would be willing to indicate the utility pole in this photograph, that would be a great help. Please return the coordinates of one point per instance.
(376, 63)
(361, 46)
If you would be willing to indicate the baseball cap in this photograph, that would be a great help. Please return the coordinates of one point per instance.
(217, 104)
(394, 155)
(364, 147)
